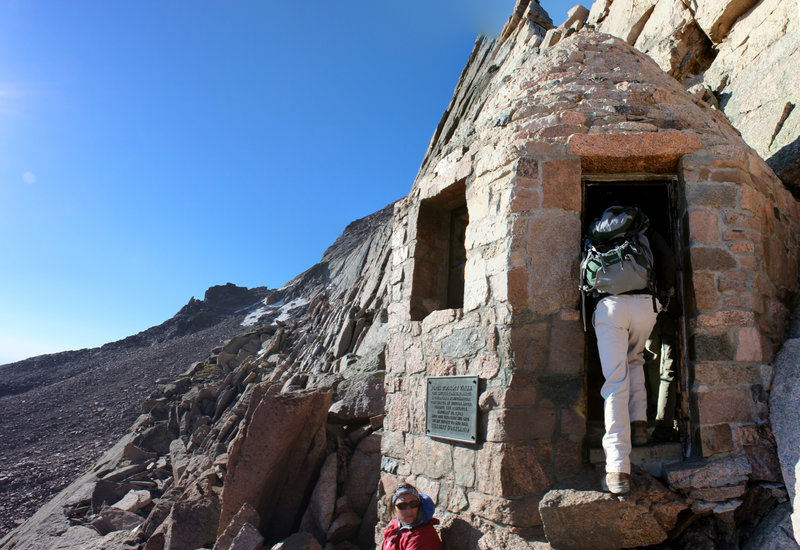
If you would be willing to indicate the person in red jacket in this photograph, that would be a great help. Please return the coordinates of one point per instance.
(413, 525)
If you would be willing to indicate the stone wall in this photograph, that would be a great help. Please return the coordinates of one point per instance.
(743, 227)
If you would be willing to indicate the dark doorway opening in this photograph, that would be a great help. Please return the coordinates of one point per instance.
(659, 200)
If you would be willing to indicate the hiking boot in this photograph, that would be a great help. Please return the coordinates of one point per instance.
(638, 433)
(618, 483)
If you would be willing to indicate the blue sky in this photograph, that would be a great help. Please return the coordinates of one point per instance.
(149, 150)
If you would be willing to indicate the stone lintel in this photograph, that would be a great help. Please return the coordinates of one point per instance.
(654, 152)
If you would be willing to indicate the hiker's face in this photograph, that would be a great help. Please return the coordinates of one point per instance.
(407, 508)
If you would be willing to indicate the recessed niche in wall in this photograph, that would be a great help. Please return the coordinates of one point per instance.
(440, 253)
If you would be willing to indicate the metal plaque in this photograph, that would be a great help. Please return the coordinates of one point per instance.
(452, 407)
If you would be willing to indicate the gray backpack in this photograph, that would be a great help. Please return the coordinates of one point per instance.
(616, 254)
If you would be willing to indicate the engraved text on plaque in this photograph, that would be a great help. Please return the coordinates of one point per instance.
(451, 407)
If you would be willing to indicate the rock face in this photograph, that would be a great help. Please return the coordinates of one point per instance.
(740, 54)
(279, 449)
(775, 532)
(319, 514)
(361, 396)
(785, 419)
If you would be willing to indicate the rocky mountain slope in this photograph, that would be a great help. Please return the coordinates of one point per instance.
(62, 411)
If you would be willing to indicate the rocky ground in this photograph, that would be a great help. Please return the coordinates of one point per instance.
(61, 412)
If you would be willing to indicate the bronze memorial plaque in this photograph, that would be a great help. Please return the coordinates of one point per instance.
(452, 407)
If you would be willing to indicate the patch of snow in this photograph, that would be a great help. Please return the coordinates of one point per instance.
(251, 306)
(283, 311)
(253, 317)
(286, 309)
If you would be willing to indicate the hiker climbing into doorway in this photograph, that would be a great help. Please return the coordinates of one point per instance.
(628, 274)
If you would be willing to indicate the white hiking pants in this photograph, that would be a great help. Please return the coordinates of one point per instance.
(622, 324)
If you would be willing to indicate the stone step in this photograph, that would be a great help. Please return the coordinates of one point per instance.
(651, 458)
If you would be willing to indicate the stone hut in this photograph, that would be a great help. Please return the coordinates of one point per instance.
(544, 131)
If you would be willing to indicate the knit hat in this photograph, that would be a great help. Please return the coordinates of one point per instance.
(405, 490)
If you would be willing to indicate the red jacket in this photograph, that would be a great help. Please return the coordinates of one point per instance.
(421, 537)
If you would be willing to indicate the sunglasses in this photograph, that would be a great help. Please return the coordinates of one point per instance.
(407, 505)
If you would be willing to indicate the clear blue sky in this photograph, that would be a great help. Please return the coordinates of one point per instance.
(151, 149)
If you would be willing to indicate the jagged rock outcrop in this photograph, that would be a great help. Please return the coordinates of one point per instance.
(763, 42)
(741, 55)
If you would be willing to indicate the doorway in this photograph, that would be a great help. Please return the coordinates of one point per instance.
(659, 199)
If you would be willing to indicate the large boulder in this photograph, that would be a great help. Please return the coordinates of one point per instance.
(275, 458)
(179, 458)
(729, 471)
(363, 473)
(641, 518)
(319, 514)
(784, 404)
(344, 527)
(193, 520)
(246, 515)
(134, 501)
(360, 398)
(114, 519)
(774, 532)
(248, 538)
